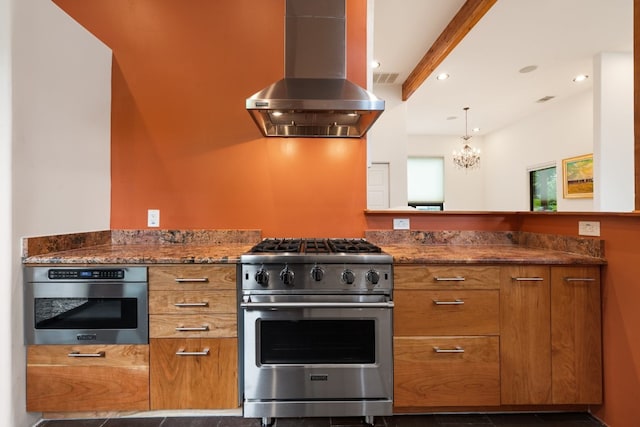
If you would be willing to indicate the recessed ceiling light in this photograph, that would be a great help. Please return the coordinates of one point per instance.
(476, 129)
(452, 117)
(528, 69)
(375, 64)
(580, 78)
(442, 76)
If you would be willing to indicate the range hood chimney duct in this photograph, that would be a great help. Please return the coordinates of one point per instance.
(314, 99)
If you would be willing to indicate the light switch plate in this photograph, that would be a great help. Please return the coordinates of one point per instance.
(153, 218)
(401, 223)
(589, 228)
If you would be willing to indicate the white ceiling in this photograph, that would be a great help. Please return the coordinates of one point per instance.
(560, 37)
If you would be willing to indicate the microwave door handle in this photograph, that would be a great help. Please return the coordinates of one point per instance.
(78, 354)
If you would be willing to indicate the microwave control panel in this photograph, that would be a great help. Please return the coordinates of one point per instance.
(85, 273)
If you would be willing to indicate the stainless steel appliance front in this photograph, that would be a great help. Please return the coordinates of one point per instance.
(313, 355)
(86, 305)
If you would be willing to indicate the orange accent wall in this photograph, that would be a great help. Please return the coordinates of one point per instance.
(182, 141)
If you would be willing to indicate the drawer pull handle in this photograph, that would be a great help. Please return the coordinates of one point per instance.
(192, 328)
(192, 304)
(527, 279)
(455, 302)
(192, 279)
(579, 279)
(456, 349)
(449, 279)
(181, 352)
(78, 354)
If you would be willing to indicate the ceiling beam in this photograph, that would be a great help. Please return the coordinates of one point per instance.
(469, 14)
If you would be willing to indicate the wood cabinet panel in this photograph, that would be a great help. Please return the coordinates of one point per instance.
(196, 381)
(525, 335)
(424, 377)
(576, 343)
(207, 325)
(192, 302)
(117, 380)
(192, 277)
(457, 312)
(446, 277)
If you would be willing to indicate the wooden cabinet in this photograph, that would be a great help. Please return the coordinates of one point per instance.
(550, 335)
(446, 343)
(510, 336)
(525, 335)
(576, 335)
(193, 337)
(63, 378)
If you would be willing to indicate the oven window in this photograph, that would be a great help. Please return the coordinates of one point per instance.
(317, 341)
(86, 313)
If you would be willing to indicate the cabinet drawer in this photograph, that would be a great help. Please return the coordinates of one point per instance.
(189, 302)
(194, 373)
(446, 277)
(446, 371)
(193, 325)
(192, 277)
(446, 312)
(102, 378)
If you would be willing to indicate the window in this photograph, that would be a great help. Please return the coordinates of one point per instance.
(425, 182)
(542, 189)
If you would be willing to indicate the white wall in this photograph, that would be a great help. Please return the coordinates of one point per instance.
(7, 257)
(59, 151)
(613, 132)
(561, 130)
(387, 142)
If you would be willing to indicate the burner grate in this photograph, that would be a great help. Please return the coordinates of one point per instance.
(278, 245)
(317, 246)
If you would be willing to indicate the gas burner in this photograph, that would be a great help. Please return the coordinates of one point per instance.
(315, 246)
(278, 246)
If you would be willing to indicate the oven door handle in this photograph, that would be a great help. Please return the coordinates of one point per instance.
(294, 305)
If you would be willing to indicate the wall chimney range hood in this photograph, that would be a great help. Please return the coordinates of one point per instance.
(314, 99)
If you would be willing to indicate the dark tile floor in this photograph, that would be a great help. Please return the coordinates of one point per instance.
(433, 420)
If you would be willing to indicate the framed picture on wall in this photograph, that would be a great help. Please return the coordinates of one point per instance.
(577, 174)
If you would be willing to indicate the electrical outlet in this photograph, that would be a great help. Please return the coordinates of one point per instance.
(401, 223)
(589, 228)
(153, 218)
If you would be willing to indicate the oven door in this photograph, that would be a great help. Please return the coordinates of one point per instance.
(317, 348)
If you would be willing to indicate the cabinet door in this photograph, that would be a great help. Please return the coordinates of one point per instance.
(207, 325)
(192, 277)
(576, 335)
(194, 373)
(525, 335)
(446, 371)
(63, 378)
(457, 312)
(443, 277)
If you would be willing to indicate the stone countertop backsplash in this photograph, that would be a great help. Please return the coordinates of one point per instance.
(486, 247)
(226, 246)
(140, 247)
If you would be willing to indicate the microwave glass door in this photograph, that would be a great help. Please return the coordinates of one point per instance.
(86, 313)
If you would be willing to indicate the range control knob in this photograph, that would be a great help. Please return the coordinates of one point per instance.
(286, 276)
(373, 277)
(262, 277)
(317, 273)
(348, 277)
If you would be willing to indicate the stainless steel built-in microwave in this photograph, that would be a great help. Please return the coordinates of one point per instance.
(86, 305)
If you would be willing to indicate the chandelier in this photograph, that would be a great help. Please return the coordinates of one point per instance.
(468, 157)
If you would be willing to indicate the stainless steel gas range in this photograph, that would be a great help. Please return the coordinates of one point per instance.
(316, 318)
